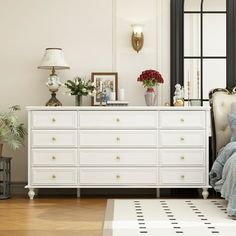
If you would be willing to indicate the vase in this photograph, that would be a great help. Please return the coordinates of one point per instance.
(150, 97)
(1, 148)
(78, 100)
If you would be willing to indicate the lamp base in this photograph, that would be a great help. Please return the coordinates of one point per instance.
(53, 101)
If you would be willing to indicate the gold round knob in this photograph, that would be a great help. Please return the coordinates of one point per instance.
(53, 120)
(118, 176)
(182, 176)
(117, 158)
(53, 139)
(182, 119)
(117, 139)
(53, 157)
(182, 138)
(117, 120)
(54, 176)
(182, 157)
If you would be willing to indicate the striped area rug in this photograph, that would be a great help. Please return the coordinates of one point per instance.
(188, 217)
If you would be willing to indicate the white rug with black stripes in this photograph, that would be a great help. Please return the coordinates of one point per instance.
(168, 218)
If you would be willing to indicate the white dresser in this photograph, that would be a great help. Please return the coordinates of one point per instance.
(117, 147)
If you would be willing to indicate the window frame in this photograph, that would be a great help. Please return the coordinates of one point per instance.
(177, 44)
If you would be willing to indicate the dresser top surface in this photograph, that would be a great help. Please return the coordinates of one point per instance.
(116, 108)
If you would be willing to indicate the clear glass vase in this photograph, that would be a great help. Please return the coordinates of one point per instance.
(150, 97)
(78, 100)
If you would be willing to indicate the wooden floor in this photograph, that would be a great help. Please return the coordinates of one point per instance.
(52, 216)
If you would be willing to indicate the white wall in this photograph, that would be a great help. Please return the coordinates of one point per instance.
(95, 36)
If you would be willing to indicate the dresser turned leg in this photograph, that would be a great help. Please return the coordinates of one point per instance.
(158, 194)
(31, 193)
(78, 193)
(205, 193)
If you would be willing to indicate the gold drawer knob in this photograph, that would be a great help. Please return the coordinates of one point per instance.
(54, 139)
(117, 120)
(54, 176)
(182, 176)
(118, 176)
(182, 139)
(53, 157)
(182, 120)
(117, 139)
(53, 120)
(182, 157)
(117, 158)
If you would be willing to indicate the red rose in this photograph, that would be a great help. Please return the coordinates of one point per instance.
(151, 75)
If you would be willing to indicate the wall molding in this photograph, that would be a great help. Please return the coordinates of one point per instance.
(114, 36)
(159, 44)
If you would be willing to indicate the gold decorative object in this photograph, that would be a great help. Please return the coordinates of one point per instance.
(179, 102)
(198, 84)
(137, 37)
(188, 92)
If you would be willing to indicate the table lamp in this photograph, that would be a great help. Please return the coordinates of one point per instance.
(53, 59)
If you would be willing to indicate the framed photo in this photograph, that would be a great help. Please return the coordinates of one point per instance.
(105, 84)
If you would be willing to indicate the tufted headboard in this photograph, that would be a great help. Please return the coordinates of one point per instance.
(220, 101)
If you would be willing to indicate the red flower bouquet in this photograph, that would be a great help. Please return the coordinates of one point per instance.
(150, 78)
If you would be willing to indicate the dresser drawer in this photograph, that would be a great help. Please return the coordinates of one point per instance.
(182, 138)
(182, 119)
(54, 176)
(118, 119)
(53, 157)
(117, 157)
(182, 176)
(182, 157)
(118, 176)
(54, 138)
(118, 138)
(54, 120)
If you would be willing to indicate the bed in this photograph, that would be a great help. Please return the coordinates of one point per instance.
(223, 121)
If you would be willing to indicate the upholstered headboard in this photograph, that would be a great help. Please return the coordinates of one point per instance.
(221, 101)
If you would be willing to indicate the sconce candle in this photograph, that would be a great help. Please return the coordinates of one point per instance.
(137, 37)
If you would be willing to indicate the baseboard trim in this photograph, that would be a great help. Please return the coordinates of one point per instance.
(18, 188)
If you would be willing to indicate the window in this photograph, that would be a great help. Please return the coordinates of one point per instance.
(205, 57)
(203, 46)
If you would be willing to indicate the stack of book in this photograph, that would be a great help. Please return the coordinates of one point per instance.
(117, 103)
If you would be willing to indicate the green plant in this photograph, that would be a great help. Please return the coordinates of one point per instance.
(12, 132)
(80, 87)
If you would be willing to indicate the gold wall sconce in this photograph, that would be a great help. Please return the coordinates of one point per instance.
(137, 37)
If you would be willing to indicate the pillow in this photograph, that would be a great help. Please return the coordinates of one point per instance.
(232, 124)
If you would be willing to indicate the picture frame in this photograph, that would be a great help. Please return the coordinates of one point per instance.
(105, 83)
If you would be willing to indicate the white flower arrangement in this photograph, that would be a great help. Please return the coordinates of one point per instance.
(80, 87)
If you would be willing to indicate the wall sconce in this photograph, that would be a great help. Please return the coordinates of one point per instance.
(137, 37)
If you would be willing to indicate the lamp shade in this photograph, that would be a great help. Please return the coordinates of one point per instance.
(53, 58)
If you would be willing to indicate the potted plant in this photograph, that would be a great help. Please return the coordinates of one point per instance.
(80, 87)
(12, 132)
(150, 79)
